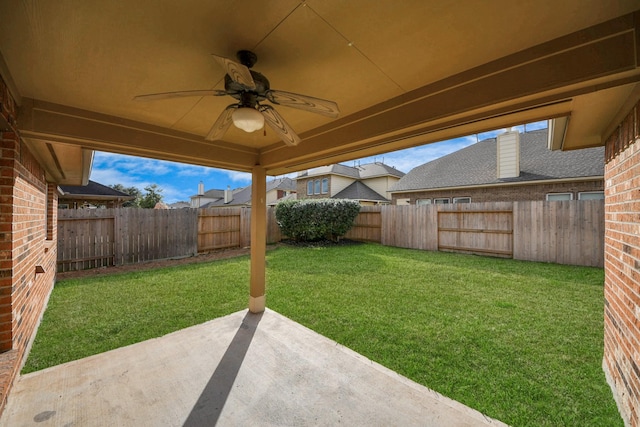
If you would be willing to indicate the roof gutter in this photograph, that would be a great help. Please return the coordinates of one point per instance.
(503, 184)
(71, 196)
(557, 131)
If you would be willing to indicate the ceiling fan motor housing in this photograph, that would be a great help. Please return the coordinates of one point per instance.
(247, 58)
(250, 88)
(235, 89)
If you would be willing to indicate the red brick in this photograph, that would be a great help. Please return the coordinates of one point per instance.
(622, 265)
(514, 193)
(23, 228)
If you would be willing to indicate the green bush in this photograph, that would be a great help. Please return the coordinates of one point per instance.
(316, 219)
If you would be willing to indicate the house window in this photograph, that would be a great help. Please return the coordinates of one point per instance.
(325, 185)
(309, 187)
(403, 202)
(423, 202)
(462, 200)
(555, 197)
(591, 195)
(441, 201)
(317, 187)
(63, 206)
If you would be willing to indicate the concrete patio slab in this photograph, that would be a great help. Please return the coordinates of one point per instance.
(242, 369)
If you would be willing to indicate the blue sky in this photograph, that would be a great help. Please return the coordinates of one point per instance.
(179, 181)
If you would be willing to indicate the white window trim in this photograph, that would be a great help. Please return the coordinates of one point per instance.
(441, 201)
(317, 186)
(420, 202)
(558, 194)
(323, 190)
(466, 198)
(590, 192)
(310, 187)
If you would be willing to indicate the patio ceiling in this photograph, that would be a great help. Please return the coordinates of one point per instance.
(403, 73)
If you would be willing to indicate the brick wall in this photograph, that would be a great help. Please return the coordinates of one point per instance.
(28, 232)
(621, 361)
(301, 187)
(514, 193)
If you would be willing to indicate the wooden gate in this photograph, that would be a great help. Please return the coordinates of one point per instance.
(476, 229)
(219, 228)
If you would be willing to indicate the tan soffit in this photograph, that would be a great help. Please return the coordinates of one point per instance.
(403, 73)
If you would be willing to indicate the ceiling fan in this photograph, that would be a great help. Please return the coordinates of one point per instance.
(251, 88)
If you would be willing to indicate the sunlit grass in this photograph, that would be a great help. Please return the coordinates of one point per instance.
(92, 315)
(519, 341)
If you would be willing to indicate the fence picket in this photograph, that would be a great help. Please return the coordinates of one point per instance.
(570, 232)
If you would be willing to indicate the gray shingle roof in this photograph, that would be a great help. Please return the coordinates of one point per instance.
(477, 165)
(367, 170)
(92, 189)
(242, 196)
(337, 169)
(285, 183)
(179, 205)
(370, 170)
(212, 194)
(359, 191)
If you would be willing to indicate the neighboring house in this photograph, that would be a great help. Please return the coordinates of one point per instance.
(523, 169)
(179, 205)
(92, 195)
(204, 197)
(369, 183)
(277, 190)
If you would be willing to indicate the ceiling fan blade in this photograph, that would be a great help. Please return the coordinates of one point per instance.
(179, 94)
(222, 123)
(304, 102)
(239, 73)
(279, 125)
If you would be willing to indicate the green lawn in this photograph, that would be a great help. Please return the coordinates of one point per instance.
(519, 341)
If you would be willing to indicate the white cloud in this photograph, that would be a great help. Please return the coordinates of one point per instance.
(193, 170)
(132, 165)
(405, 160)
(172, 194)
(108, 176)
(238, 177)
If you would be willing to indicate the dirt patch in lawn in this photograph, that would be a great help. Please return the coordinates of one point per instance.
(150, 265)
(210, 256)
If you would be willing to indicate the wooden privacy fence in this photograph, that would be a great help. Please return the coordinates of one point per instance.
(220, 228)
(564, 232)
(91, 238)
(485, 229)
(367, 226)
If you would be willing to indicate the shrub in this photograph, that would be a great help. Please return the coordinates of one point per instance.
(316, 219)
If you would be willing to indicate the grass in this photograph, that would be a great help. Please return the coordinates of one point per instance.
(92, 315)
(519, 341)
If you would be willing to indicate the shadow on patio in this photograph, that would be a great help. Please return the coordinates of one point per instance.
(251, 369)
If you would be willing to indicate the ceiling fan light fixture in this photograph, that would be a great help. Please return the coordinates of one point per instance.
(248, 119)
